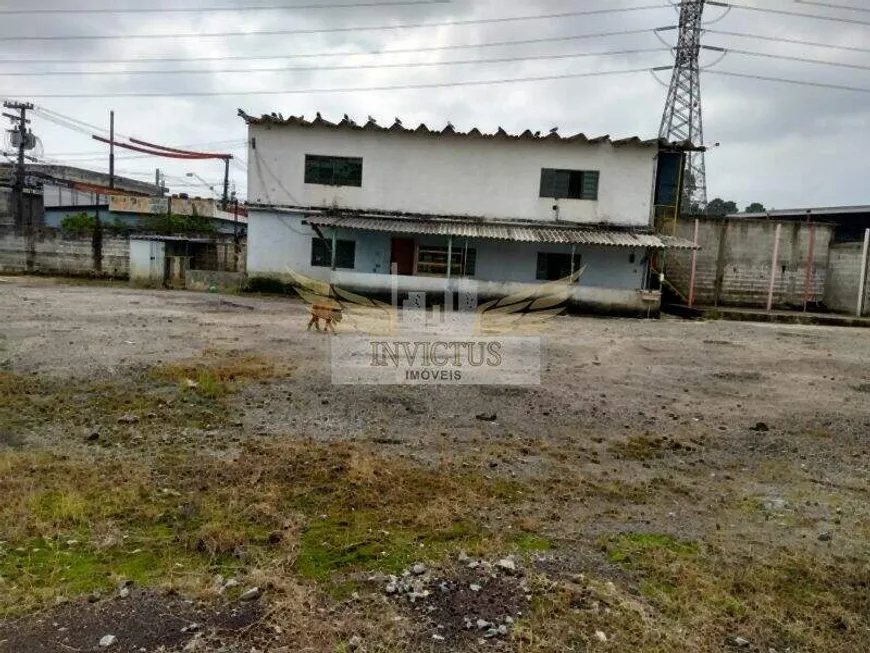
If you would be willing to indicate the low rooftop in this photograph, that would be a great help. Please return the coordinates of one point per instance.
(346, 123)
(71, 174)
(802, 213)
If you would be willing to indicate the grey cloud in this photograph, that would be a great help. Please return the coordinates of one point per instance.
(780, 144)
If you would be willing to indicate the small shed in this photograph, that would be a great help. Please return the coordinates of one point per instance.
(167, 260)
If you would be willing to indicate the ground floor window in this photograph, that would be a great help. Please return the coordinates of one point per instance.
(432, 261)
(552, 267)
(321, 253)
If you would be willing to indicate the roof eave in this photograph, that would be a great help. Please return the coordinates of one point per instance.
(449, 130)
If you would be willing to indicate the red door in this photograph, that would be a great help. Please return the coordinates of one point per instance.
(403, 255)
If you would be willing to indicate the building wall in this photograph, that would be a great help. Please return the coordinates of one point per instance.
(844, 277)
(33, 209)
(54, 217)
(444, 175)
(745, 263)
(66, 254)
(62, 196)
(279, 242)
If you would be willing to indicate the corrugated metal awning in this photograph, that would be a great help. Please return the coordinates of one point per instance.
(522, 233)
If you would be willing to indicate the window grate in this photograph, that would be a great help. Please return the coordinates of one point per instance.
(321, 254)
(333, 170)
(569, 184)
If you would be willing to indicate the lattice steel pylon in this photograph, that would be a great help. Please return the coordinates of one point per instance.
(682, 119)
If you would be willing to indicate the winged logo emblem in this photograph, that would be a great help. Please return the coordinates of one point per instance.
(525, 311)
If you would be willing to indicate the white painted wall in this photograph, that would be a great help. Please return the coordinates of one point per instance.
(278, 242)
(447, 175)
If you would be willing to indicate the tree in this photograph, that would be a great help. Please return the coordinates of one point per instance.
(174, 223)
(755, 207)
(78, 222)
(719, 207)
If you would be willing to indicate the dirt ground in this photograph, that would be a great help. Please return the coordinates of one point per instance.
(670, 485)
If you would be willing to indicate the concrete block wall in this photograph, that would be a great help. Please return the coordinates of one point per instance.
(844, 277)
(741, 251)
(13, 252)
(69, 254)
(204, 279)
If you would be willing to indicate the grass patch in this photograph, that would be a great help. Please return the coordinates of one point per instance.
(624, 548)
(645, 447)
(696, 597)
(686, 597)
(638, 447)
(174, 396)
(216, 374)
(32, 403)
(321, 511)
(531, 543)
(357, 542)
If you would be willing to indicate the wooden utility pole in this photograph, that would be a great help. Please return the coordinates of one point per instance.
(112, 150)
(226, 197)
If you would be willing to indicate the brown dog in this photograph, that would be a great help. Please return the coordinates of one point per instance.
(327, 313)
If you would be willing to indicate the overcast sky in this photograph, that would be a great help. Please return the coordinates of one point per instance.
(785, 146)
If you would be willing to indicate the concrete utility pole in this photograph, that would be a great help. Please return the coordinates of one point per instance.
(25, 138)
(682, 119)
(26, 141)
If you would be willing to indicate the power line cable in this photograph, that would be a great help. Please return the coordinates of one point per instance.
(70, 122)
(786, 12)
(303, 91)
(439, 48)
(321, 55)
(797, 82)
(416, 64)
(119, 157)
(831, 5)
(330, 30)
(768, 55)
(782, 39)
(91, 153)
(203, 10)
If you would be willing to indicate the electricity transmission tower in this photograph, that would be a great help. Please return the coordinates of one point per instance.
(682, 117)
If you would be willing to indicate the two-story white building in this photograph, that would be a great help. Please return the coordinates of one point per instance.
(359, 204)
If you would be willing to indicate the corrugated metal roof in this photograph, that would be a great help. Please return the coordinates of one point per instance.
(523, 233)
(675, 242)
(397, 127)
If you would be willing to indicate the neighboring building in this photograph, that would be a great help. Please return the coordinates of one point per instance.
(808, 258)
(64, 190)
(849, 222)
(65, 186)
(132, 212)
(8, 211)
(67, 191)
(354, 202)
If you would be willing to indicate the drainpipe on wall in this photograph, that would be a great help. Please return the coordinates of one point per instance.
(774, 264)
(862, 283)
(808, 282)
(573, 254)
(334, 243)
(694, 265)
(449, 256)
